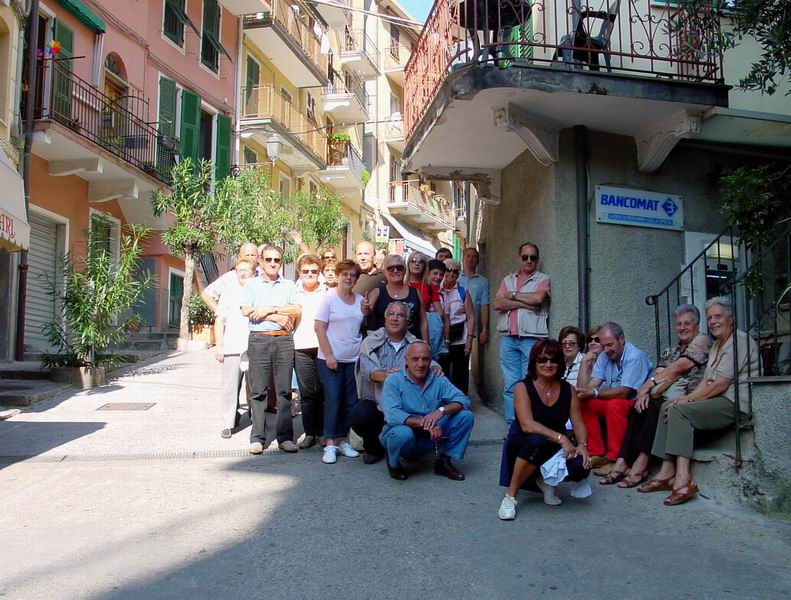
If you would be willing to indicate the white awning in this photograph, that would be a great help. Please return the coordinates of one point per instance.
(411, 237)
(14, 229)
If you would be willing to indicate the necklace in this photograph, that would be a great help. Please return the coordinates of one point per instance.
(546, 393)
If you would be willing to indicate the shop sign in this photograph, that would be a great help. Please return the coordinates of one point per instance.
(382, 234)
(623, 206)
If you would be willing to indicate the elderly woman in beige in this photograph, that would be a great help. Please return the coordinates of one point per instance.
(709, 406)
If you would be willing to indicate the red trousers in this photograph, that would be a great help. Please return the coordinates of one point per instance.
(616, 415)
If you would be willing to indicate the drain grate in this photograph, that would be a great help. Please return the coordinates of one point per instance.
(126, 406)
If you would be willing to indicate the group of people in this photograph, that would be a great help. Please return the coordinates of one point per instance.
(381, 347)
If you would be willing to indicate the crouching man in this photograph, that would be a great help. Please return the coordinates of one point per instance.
(424, 413)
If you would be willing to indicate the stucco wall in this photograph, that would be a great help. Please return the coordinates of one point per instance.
(772, 422)
(627, 263)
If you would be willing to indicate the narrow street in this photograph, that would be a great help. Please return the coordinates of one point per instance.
(154, 504)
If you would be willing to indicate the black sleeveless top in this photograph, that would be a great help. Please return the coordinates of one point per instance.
(412, 302)
(554, 417)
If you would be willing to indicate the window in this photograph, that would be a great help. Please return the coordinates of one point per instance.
(175, 295)
(311, 107)
(252, 81)
(205, 135)
(175, 20)
(395, 41)
(395, 105)
(105, 235)
(210, 39)
(250, 156)
(285, 186)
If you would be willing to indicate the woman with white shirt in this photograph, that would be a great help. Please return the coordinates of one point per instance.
(457, 305)
(572, 341)
(338, 326)
(231, 332)
(310, 295)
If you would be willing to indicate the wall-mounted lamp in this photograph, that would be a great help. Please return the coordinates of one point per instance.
(274, 146)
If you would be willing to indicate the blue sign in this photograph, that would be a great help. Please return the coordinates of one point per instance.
(640, 208)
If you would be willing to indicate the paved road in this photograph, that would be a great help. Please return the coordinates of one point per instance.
(93, 517)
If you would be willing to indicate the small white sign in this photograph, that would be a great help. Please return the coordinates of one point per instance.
(382, 234)
(623, 206)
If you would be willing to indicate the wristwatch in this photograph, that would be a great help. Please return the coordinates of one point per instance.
(441, 409)
(513, 295)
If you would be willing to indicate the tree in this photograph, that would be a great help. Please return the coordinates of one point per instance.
(97, 298)
(766, 21)
(198, 217)
(255, 212)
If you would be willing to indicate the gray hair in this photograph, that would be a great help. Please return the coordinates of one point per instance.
(725, 302)
(452, 263)
(396, 304)
(615, 329)
(683, 309)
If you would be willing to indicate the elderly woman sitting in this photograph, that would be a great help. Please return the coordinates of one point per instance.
(709, 406)
(679, 371)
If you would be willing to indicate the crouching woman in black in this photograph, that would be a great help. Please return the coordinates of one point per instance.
(543, 402)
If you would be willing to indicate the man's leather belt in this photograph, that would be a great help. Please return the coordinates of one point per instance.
(278, 332)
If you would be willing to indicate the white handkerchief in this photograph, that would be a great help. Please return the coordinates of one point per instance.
(581, 489)
(554, 470)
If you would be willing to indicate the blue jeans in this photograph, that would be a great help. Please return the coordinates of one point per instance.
(514, 355)
(340, 397)
(401, 440)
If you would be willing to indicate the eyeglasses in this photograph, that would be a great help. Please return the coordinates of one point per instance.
(452, 271)
(272, 259)
(531, 257)
(326, 256)
(393, 268)
(542, 360)
(571, 343)
(309, 271)
(593, 338)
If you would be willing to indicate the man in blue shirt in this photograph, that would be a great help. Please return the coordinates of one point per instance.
(477, 287)
(610, 391)
(423, 413)
(270, 303)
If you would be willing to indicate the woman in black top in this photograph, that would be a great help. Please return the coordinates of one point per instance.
(396, 290)
(543, 403)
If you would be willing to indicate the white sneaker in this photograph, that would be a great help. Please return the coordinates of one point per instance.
(549, 493)
(507, 510)
(346, 449)
(330, 455)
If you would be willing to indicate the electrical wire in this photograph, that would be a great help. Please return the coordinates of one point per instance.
(332, 126)
(388, 18)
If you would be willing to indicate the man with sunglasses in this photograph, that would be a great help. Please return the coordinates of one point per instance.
(523, 304)
(270, 303)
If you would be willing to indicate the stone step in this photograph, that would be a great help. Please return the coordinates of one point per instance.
(29, 369)
(26, 392)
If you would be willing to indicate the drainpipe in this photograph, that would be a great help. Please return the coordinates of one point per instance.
(583, 231)
(30, 98)
(237, 92)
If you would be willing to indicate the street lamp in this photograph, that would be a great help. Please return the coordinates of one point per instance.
(274, 146)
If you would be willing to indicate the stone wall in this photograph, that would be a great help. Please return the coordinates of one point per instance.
(772, 424)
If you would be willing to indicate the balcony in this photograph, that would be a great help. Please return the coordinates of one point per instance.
(395, 59)
(106, 141)
(420, 208)
(345, 167)
(334, 16)
(237, 170)
(282, 34)
(265, 112)
(533, 69)
(360, 53)
(394, 132)
(346, 99)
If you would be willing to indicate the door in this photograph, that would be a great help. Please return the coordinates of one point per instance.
(44, 269)
(176, 291)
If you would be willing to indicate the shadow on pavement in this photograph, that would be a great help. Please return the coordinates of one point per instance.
(39, 437)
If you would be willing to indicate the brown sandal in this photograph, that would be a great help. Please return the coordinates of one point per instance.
(631, 481)
(679, 497)
(612, 477)
(656, 485)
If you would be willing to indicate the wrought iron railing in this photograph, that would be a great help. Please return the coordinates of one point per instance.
(208, 264)
(342, 153)
(289, 16)
(264, 102)
(757, 282)
(349, 83)
(357, 40)
(410, 192)
(633, 37)
(118, 125)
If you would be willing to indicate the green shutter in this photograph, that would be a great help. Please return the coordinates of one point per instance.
(167, 125)
(252, 80)
(222, 154)
(190, 125)
(62, 83)
(84, 14)
(211, 24)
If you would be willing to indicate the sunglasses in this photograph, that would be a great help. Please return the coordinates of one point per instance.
(393, 268)
(272, 259)
(593, 338)
(531, 257)
(309, 271)
(327, 256)
(542, 360)
(452, 271)
(417, 261)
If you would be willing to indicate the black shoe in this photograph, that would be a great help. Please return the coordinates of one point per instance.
(398, 473)
(225, 434)
(443, 466)
(371, 459)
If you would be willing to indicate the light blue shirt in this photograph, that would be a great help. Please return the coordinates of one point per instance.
(260, 292)
(632, 372)
(477, 287)
(403, 398)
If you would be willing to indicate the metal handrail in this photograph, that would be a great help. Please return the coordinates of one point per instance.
(357, 39)
(350, 83)
(411, 194)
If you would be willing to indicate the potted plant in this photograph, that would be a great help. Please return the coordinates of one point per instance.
(339, 148)
(97, 295)
(201, 319)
